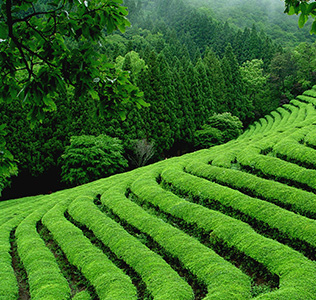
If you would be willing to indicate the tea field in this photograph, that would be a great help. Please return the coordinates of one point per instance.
(236, 221)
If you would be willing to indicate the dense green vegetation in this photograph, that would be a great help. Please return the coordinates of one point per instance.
(189, 65)
(268, 15)
(88, 158)
(235, 221)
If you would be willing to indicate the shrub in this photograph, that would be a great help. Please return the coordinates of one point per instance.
(89, 158)
(219, 129)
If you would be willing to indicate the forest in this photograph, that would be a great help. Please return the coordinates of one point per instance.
(204, 78)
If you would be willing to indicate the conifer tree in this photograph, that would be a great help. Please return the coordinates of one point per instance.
(216, 80)
(206, 91)
(184, 104)
(195, 94)
(235, 100)
(157, 118)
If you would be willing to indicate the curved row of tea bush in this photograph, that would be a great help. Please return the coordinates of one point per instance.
(204, 263)
(160, 279)
(289, 265)
(297, 200)
(8, 283)
(109, 281)
(286, 116)
(21, 208)
(293, 151)
(44, 276)
(9, 222)
(310, 139)
(307, 98)
(277, 168)
(290, 224)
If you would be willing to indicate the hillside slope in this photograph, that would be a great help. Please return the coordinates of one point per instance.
(267, 15)
(236, 221)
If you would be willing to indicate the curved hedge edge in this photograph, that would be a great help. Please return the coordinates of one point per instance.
(310, 93)
(203, 262)
(297, 273)
(310, 139)
(44, 276)
(300, 201)
(271, 166)
(307, 99)
(277, 120)
(290, 224)
(259, 126)
(285, 114)
(8, 283)
(270, 122)
(302, 112)
(14, 208)
(161, 280)
(9, 289)
(295, 152)
(110, 282)
(84, 295)
(294, 110)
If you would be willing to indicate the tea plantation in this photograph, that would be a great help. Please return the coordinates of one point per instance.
(236, 221)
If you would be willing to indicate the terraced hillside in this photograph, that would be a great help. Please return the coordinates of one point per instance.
(236, 221)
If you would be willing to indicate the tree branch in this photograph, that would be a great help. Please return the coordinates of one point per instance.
(34, 14)
(14, 39)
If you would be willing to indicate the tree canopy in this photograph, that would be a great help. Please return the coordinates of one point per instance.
(45, 49)
(48, 50)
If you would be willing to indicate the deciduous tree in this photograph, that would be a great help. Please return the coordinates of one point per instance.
(48, 49)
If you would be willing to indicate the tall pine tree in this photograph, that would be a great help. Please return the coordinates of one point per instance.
(235, 101)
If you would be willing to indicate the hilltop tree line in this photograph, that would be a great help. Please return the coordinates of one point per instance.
(190, 68)
(268, 15)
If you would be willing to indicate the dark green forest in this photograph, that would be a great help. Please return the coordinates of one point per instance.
(268, 15)
(206, 79)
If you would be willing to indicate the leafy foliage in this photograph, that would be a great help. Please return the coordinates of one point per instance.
(219, 129)
(88, 158)
(37, 63)
(256, 86)
(178, 56)
(305, 9)
(7, 162)
(50, 49)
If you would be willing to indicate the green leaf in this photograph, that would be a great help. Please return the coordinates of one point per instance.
(313, 29)
(94, 95)
(303, 7)
(310, 8)
(291, 11)
(302, 20)
(122, 115)
(121, 28)
(2, 126)
(143, 103)
(51, 106)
